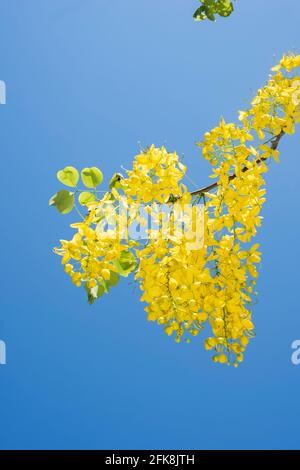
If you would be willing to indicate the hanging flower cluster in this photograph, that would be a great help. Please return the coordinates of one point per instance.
(189, 278)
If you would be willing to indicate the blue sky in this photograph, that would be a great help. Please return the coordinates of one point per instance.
(87, 80)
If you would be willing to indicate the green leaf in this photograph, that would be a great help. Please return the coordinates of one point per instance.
(209, 11)
(68, 176)
(63, 201)
(125, 264)
(91, 177)
(94, 293)
(225, 8)
(100, 290)
(199, 14)
(114, 279)
(104, 286)
(91, 297)
(210, 8)
(116, 181)
(85, 197)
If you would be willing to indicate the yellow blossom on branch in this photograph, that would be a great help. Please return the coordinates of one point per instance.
(190, 279)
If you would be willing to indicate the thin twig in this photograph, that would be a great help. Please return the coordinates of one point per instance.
(275, 142)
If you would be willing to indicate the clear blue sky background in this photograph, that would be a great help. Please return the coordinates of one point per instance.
(86, 81)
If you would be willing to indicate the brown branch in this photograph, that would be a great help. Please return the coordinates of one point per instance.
(274, 144)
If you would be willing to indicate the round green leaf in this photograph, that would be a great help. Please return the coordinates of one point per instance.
(85, 197)
(199, 14)
(91, 177)
(68, 176)
(116, 181)
(63, 201)
(125, 264)
(114, 279)
(94, 293)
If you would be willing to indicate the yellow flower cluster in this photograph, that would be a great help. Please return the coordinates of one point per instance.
(185, 286)
(94, 256)
(276, 106)
(155, 176)
(175, 284)
(234, 209)
(288, 62)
